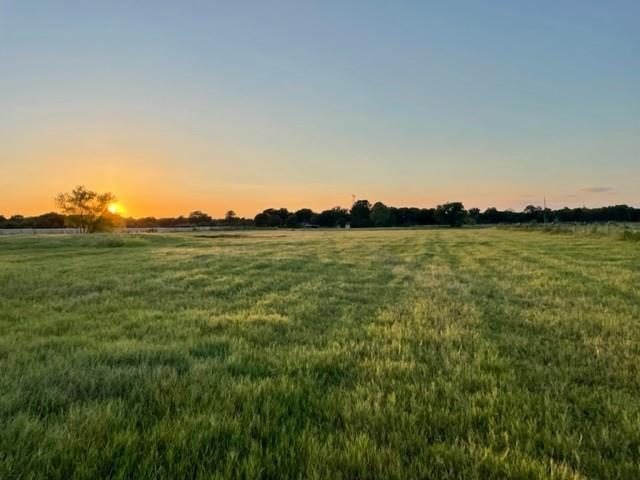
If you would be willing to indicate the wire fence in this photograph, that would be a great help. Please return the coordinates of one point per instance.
(618, 230)
(74, 231)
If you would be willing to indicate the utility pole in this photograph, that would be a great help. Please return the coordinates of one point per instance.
(544, 212)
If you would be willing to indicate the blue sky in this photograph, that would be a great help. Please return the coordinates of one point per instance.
(177, 106)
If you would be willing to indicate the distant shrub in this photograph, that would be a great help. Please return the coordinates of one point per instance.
(110, 242)
(116, 241)
(631, 236)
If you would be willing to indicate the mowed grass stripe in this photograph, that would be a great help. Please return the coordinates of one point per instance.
(558, 360)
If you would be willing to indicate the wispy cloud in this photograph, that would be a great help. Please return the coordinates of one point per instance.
(597, 189)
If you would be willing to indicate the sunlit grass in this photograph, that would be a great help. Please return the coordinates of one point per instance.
(324, 354)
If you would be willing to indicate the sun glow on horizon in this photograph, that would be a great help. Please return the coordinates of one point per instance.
(114, 208)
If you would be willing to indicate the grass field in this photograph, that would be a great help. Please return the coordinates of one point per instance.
(321, 354)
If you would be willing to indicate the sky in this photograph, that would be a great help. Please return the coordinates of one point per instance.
(203, 105)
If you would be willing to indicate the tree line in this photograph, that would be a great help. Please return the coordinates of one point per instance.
(88, 211)
(454, 214)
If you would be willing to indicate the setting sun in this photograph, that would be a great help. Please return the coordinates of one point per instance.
(113, 208)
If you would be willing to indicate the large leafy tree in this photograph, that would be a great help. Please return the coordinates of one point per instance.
(272, 217)
(230, 218)
(533, 213)
(292, 221)
(304, 215)
(199, 218)
(335, 217)
(380, 215)
(452, 214)
(360, 213)
(86, 209)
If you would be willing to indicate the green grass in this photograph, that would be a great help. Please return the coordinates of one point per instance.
(619, 231)
(324, 354)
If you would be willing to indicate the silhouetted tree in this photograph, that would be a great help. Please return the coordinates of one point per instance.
(174, 222)
(282, 213)
(292, 221)
(271, 217)
(532, 213)
(47, 220)
(380, 215)
(230, 218)
(491, 215)
(474, 215)
(327, 218)
(304, 215)
(146, 222)
(452, 213)
(199, 218)
(342, 216)
(335, 217)
(87, 210)
(360, 214)
(427, 216)
(17, 221)
(260, 220)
